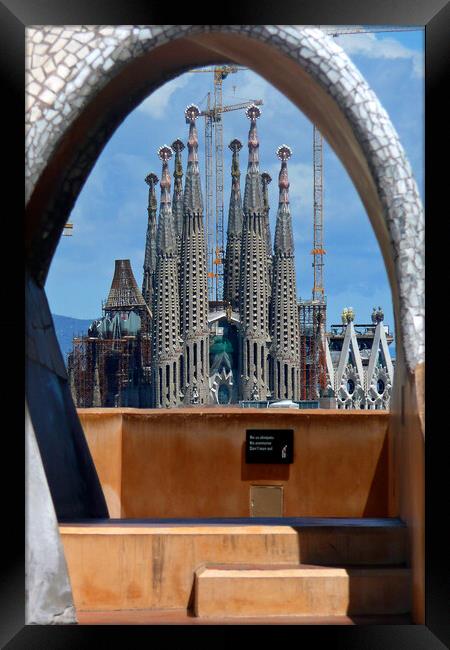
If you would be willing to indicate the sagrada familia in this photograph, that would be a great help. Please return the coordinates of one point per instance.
(250, 349)
(169, 345)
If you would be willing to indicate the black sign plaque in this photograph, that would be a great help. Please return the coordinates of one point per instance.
(269, 446)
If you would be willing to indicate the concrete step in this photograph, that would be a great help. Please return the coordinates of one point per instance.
(300, 590)
(151, 565)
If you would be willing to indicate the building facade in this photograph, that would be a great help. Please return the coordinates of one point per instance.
(259, 342)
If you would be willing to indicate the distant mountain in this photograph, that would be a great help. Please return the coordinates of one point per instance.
(66, 328)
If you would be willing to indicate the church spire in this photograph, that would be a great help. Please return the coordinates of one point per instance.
(285, 358)
(254, 279)
(284, 242)
(193, 281)
(193, 201)
(166, 350)
(234, 231)
(266, 179)
(253, 197)
(165, 239)
(177, 201)
(150, 241)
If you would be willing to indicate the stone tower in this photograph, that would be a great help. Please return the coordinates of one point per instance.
(285, 360)
(254, 278)
(234, 232)
(266, 179)
(177, 200)
(167, 348)
(193, 284)
(150, 241)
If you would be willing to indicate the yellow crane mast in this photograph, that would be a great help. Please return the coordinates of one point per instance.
(214, 220)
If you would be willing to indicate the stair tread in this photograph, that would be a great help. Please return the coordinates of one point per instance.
(265, 569)
(296, 522)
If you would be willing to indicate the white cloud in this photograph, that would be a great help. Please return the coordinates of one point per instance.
(370, 46)
(156, 104)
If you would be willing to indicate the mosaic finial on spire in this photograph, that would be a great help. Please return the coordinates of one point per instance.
(191, 113)
(253, 112)
(284, 152)
(165, 153)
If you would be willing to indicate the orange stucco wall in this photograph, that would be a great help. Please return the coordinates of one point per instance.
(190, 462)
(104, 436)
(407, 471)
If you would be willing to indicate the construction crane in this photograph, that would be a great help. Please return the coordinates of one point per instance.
(213, 127)
(338, 30)
(313, 313)
(318, 250)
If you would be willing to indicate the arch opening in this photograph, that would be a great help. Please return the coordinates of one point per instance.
(73, 156)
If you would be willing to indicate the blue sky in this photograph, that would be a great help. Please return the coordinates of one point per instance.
(110, 217)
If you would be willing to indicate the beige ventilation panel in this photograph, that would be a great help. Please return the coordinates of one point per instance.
(266, 501)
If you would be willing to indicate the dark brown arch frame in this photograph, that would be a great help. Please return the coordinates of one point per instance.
(55, 193)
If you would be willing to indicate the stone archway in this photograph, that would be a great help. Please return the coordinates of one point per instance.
(82, 82)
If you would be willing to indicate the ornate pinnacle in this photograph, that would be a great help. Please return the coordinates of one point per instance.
(191, 113)
(266, 179)
(235, 146)
(253, 112)
(284, 152)
(165, 153)
(177, 146)
(152, 180)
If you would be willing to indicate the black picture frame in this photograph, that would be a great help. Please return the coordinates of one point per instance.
(15, 16)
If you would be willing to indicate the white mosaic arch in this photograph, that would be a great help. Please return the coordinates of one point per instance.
(67, 66)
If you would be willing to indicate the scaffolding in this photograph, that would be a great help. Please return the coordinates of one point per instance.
(312, 319)
(110, 371)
